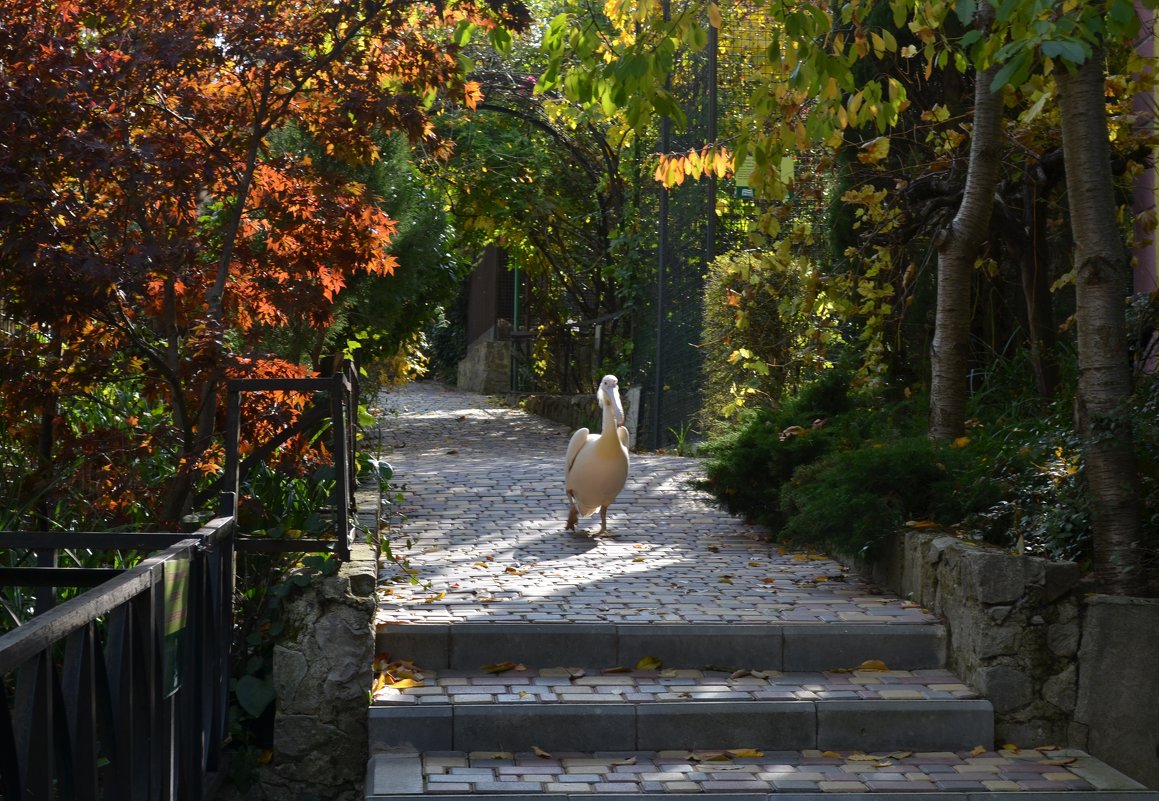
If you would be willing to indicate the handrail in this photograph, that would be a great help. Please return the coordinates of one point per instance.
(122, 692)
(341, 390)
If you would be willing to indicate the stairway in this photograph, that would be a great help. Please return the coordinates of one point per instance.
(683, 656)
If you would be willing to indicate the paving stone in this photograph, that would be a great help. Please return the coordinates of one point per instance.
(501, 581)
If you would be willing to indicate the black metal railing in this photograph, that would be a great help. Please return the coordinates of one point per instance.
(341, 390)
(121, 692)
(577, 352)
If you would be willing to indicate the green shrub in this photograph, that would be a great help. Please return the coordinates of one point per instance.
(834, 470)
(767, 328)
(748, 466)
(849, 500)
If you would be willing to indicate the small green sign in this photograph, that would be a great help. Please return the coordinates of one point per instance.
(743, 190)
(175, 587)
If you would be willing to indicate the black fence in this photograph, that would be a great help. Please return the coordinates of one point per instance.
(580, 350)
(339, 410)
(121, 692)
(696, 222)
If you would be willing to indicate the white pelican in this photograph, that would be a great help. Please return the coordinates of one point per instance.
(597, 464)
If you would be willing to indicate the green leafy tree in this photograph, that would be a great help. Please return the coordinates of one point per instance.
(814, 92)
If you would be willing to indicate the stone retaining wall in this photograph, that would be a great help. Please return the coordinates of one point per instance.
(1061, 666)
(486, 367)
(323, 673)
(577, 411)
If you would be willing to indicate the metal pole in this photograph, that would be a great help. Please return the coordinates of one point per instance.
(661, 270)
(710, 227)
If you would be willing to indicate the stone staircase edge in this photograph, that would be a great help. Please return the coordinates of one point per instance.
(443, 724)
(1069, 795)
(789, 647)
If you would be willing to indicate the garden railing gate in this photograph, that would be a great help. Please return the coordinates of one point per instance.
(122, 692)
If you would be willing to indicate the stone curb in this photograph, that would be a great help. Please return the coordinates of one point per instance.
(395, 776)
(790, 647)
(866, 724)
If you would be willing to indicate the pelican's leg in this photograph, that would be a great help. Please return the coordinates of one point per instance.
(603, 520)
(572, 513)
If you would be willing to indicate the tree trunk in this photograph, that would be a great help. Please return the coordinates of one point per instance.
(958, 246)
(1102, 278)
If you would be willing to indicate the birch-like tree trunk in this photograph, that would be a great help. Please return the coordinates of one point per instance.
(958, 246)
(1102, 278)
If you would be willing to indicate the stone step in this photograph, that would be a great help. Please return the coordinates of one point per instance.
(565, 708)
(775, 646)
(756, 772)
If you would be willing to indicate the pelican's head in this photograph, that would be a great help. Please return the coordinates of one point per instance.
(609, 393)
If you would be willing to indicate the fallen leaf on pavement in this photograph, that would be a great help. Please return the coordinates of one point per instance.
(503, 667)
(401, 684)
(872, 664)
(648, 663)
(745, 753)
(539, 752)
(978, 750)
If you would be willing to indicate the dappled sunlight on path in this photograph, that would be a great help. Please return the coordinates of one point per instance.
(484, 511)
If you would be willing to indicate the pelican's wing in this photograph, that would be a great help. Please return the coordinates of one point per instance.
(622, 432)
(578, 440)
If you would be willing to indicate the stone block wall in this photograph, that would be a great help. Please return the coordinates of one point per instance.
(578, 411)
(1060, 665)
(323, 673)
(486, 368)
(1117, 713)
(1013, 629)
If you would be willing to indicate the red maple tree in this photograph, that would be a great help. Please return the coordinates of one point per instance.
(151, 222)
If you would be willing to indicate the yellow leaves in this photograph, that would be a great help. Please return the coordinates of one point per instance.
(503, 667)
(875, 665)
(398, 675)
(648, 663)
(673, 169)
(403, 684)
(726, 756)
(874, 151)
(960, 442)
(714, 17)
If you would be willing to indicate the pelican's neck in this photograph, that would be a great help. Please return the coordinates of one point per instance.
(609, 423)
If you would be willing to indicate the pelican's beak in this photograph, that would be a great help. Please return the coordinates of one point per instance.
(613, 393)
